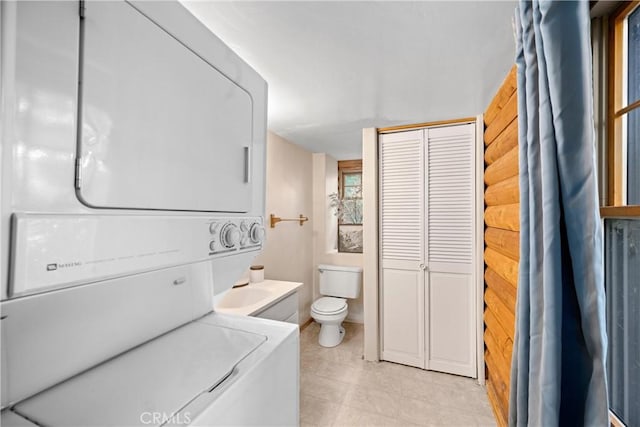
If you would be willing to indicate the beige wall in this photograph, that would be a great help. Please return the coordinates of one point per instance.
(288, 252)
(370, 243)
(325, 228)
(299, 182)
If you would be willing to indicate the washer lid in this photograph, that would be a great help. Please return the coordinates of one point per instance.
(329, 305)
(161, 376)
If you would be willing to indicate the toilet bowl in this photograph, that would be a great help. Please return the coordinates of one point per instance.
(330, 312)
(337, 283)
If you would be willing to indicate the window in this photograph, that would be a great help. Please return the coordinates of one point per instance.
(622, 215)
(622, 264)
(350, 190)
(633, 106)
(350, 194)
(624, 107)
(351, 185)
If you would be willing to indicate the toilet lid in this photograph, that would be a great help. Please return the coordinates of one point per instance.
(329, 305)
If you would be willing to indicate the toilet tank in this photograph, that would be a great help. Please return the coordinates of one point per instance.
(340, 281)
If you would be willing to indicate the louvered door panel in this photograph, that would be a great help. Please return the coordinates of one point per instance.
(402, 235)
(401, 196)
(450, 320)
(450, 196)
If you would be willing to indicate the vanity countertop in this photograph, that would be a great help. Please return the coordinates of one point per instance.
(254, 297)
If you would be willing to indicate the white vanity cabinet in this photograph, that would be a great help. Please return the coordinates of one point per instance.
(269, 299)
(284, 310)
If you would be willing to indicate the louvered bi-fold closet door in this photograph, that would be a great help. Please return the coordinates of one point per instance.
(450, 319)
(402, 247)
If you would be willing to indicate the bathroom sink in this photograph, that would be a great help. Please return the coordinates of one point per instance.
(257, 298)
(242, 297)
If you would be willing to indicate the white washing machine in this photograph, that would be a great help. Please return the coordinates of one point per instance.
(218, 370)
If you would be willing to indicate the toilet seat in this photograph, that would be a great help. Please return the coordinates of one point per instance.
(329, 305)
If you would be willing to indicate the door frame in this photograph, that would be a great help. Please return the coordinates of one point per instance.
(372, 256)
(479, 249)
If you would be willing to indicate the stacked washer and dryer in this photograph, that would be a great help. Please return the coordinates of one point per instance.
(132, 191)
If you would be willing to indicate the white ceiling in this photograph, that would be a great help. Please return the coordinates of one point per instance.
(334, 68)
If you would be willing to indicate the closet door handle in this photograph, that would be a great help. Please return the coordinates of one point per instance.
(423, 267)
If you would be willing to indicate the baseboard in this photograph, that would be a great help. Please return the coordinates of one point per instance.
(305, 324)
(355, 319)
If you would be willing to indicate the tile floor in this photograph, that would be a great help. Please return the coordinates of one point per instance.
(338, 388)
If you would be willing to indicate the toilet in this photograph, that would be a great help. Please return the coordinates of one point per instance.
(336, 284)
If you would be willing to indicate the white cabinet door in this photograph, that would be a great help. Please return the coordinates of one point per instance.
(403, 314)
(161, 128)
(450, 325)
(402, 247)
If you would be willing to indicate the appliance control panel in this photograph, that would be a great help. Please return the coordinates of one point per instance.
(230, 235)
(56, 250)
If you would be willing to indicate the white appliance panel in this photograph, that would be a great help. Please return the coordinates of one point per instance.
(161, 376)
(39, 46)
(53, 251)
(11, 419)
(264, 389)
(50, 337)
(161, 128)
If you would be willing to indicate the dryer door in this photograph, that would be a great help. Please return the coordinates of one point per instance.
(160, 128)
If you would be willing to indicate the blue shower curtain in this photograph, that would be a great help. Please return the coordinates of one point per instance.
(558, 374)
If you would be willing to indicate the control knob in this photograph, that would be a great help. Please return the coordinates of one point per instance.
(256, 233)
(229, 235)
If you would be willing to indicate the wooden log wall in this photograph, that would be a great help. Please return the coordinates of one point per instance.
(502, 240)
